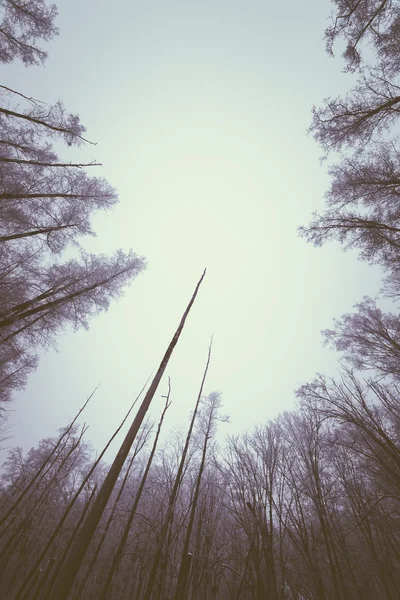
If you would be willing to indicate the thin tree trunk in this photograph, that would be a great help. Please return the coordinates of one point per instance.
(119, 552)
(35, 195)
(18, 236)
(71, 566)
(184, 568)
(44, 578)
(139, 446)
(174, 492)
(11, 113)
(46, 164)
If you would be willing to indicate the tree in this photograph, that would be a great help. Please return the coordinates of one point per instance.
(369, 338)
(45, 206)
(121, 546)
(24, 23)
(68, 292)
(366, 421)
(361, 205)
(71, 566)
(16, 362)
(254, 467)
(208, 417)
(166, 527)
(57, 464)
(369, 109)
(361, 22)
(64, 294)
(371, 410)
(142, 440)
(40, 472)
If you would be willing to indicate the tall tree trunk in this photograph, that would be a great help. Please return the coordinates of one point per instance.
(139, 446)
(119, 552)
(71, 566)
(68, 546)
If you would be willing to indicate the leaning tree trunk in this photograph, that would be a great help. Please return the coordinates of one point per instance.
(119, 552)
(71, 566)
(184, 569)
(138, 448)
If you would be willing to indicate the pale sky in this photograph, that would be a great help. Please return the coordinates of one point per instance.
(200, 112)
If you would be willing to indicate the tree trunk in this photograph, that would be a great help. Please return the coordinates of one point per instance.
(139, 446)
(174, 492)
(184, 568)
(119, 552)
(71, 566)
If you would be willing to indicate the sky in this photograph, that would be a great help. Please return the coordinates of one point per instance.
(200, 113)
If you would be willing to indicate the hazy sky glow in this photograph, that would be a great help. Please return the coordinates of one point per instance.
(200, 111)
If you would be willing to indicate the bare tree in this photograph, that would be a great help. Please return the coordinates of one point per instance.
(362, 22)
(362, 204)
(168, 519)
(369, 338)
(43, 469)
(36, 302)
(213, 404)
(369, 109)
(307, 506)
(24, 22)
(45, 206)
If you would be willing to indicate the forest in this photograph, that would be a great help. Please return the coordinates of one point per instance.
(305, 506)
